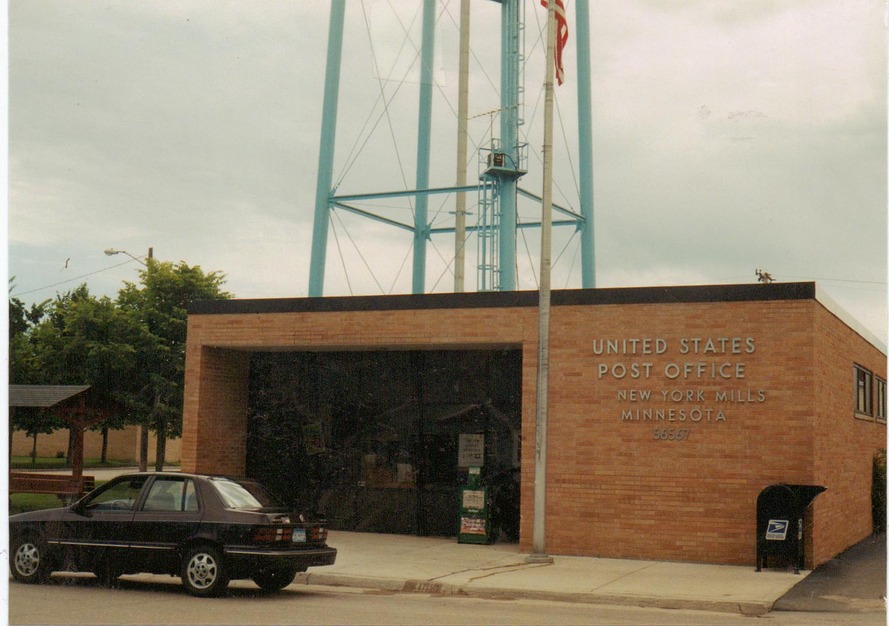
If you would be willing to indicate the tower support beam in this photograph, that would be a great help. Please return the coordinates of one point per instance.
(585, 144)
(424, 127)
(328, 141)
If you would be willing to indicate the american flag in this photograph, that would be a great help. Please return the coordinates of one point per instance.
(561, 37)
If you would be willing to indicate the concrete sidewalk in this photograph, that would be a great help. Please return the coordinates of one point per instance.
(441, 565)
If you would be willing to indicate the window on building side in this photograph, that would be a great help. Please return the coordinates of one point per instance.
(881, 399)
(863, 391)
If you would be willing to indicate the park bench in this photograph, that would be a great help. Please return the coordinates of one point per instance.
(65, 486)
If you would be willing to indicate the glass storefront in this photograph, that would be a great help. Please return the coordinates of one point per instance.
(373, 439)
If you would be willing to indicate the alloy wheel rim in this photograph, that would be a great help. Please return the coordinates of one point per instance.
(202, 570)
(27, 559)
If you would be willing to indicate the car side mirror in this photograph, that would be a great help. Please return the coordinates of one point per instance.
(80, 508)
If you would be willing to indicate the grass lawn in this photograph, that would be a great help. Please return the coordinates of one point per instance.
(21, 502)
(47, 462)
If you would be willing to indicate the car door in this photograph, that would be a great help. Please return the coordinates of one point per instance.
(169, 514)
(97, 531)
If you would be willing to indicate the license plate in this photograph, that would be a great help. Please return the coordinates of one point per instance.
(299, 535)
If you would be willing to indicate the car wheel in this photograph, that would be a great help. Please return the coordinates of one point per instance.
(29, 562)
(274, 580)
(203, 572)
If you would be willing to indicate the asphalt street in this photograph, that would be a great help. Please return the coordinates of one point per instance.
(163, 601)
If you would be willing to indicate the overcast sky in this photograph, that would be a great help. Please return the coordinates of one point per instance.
(727, 136)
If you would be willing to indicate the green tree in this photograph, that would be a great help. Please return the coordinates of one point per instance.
(21, 322)
(160, 304)
(23, 370)
(83, 340)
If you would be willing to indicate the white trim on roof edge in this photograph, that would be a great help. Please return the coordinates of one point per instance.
(831, 305)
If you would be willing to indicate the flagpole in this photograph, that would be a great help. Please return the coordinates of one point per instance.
(538, 554)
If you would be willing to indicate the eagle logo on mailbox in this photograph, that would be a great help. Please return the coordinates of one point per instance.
(777, 529)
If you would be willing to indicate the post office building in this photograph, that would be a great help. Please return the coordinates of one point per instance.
(669, 411)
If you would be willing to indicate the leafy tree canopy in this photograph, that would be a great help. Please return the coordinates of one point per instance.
(131, 349)
(160, 304)
(77, 340)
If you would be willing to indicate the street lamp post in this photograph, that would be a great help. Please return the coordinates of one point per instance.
(112, 252)
(143, 434)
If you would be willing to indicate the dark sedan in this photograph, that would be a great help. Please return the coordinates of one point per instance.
(206, 529)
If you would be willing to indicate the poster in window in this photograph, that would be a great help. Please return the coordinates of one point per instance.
(471, 450)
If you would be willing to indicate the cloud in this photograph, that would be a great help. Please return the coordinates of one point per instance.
(726, 136)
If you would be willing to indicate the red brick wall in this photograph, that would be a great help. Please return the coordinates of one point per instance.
(845, 443)
(616, 487)
(214, 426)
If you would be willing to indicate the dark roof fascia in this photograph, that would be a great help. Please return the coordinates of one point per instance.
(509, 299)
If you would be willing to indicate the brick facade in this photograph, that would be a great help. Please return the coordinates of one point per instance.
(669, 409)
(214, 426)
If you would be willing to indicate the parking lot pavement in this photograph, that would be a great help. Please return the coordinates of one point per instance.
(854, 580)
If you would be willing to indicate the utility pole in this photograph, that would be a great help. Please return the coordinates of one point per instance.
(143, 434)
(462, 134)
(143, 429)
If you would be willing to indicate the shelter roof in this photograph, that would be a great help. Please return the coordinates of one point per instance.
(42, 396)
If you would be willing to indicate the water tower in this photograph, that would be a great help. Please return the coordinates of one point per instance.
(504, 160)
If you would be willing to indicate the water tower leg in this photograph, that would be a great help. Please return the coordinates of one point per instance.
(585, 144)
(328, 139)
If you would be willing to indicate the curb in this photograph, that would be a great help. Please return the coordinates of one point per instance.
(751, 609)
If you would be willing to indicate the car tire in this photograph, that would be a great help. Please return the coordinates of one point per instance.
(274, 580)
(203, 572)
(29, 563)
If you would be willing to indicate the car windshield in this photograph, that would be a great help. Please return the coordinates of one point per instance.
(245, 495)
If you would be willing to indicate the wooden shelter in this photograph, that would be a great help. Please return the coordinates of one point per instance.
(79, 406)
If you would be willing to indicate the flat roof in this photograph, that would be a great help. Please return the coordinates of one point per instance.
(502, 299)
(749, 292)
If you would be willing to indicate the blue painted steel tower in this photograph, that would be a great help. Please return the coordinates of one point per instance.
(505, 160)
